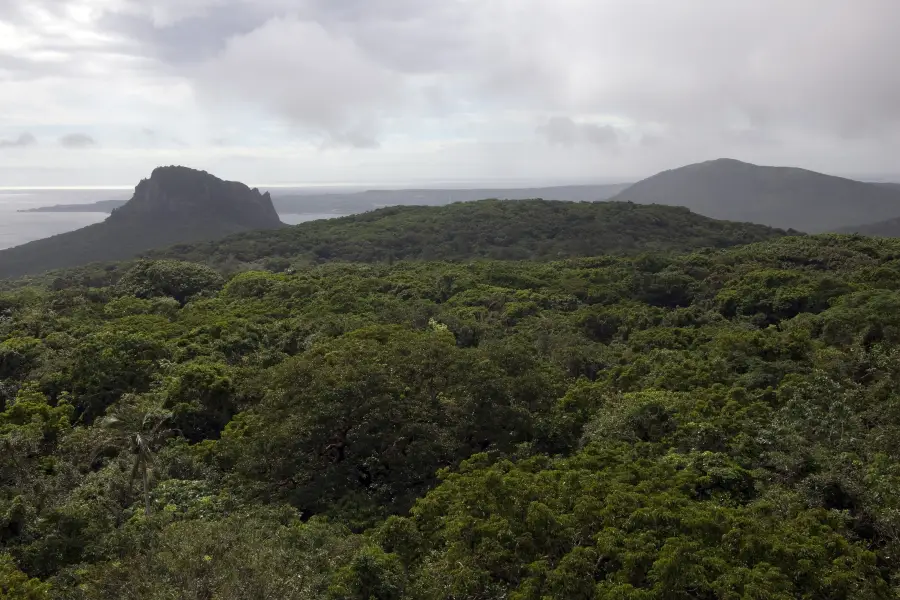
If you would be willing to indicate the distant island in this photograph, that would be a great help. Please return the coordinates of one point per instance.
(104, 206)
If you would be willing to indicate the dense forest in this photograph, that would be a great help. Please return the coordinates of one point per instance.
(493, 229)
(721, 423)
(498, 229)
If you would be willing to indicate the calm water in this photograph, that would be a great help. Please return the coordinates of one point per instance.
(18, 228)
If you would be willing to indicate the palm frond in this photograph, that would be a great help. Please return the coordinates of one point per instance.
(110, 421)
(163, 418)
(135, 471)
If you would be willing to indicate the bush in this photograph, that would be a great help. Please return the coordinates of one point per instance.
(175, 279)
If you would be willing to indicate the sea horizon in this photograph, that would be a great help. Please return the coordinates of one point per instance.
(379, 185)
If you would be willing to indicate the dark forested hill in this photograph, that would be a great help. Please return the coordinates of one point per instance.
(720, 425)
(522, 229)
(776, 196)
(356, 202)
(174, 205)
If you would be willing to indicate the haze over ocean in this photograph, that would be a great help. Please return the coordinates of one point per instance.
(19, 228)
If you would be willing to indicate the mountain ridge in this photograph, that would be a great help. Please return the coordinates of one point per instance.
(887, 228)
(784, 197)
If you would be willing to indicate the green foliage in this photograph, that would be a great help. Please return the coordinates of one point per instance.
(110, 363)
(15, 585)
(201, 398)
(252, 554)
(610, 522)
(722, 425)
(169, 278)
(372, 413)
(371, 573)
(31, 410)
(497, 229)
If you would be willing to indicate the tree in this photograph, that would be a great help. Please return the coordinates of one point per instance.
(16, 585)
(176, 279)
(137, 432)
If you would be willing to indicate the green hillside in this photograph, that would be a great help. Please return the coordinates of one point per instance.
(498, 229)
(719, 424)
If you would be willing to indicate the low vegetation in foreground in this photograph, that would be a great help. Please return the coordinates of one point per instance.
(719, 424)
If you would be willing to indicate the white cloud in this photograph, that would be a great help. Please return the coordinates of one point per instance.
(318, 80)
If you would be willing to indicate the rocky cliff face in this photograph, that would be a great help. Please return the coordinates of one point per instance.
(175, 205)
(178, 193)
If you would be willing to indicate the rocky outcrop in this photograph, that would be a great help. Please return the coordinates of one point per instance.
(183, 193)
(175, 205)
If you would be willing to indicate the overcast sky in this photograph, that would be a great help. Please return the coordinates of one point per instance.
(98, 92)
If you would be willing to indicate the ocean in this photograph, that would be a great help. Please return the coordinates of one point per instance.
(19, 228)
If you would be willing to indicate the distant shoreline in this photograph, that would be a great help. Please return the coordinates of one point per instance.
(343, 203)
(104, 206)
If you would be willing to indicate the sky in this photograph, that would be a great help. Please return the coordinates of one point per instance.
(99, 92)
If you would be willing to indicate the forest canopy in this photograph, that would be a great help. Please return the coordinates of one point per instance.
(711, 424)
(495, 229)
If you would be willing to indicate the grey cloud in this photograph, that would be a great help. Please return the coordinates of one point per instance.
(600, 135)
(24, 140)
(649, 140)
(189, 40)
(407, 36)
(566, 132)
(320, 82)
(676, 69)
(50, 55)
(77, 141)
(820, 67)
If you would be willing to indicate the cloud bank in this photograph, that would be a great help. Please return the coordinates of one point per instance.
(402, 89)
